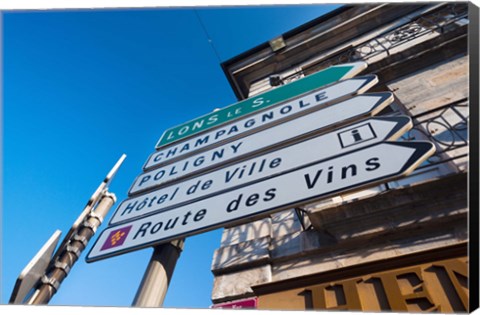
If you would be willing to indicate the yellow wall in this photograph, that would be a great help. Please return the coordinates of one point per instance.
(436, 286)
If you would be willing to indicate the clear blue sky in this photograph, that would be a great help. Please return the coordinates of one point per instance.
(80, 88)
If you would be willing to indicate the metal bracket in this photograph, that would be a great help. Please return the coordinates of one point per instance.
(54, 283)
(89, 225)
(178, 243)
(82, 239)
(107, 194)
(301, 218)
(95, 216)
(63, 266)
(74, 250)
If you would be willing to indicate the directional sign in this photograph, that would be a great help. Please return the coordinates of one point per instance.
(326, 118)
(353, 137)
(261, 120)
(35, 269)
(264, 100)
(352, 171)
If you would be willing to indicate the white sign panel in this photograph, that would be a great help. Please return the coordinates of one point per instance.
(353, 137)
(263, 119)
(368, 166)
(33, 272)
(331, 116)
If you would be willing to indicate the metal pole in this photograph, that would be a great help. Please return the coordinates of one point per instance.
(154, 285)
(64, 262)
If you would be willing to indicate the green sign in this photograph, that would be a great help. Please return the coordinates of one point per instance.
(261, 101)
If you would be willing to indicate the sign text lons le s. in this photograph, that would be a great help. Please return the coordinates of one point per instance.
(269, 98)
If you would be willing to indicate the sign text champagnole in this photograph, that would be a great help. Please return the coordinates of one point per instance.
(352, 109)
(301, 105)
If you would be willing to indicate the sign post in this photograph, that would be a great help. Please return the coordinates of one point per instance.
(155, 281)
(159, 271)
(296, 144)
(46, 271)
(51, 281)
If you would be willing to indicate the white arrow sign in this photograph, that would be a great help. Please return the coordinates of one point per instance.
(33, 272)
(261, 120)
(352, 171)
(326, 118)
(353, 137)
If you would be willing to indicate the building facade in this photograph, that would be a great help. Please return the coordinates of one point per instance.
(398, 246)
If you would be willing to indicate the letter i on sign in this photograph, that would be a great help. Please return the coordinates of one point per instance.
(356, 135)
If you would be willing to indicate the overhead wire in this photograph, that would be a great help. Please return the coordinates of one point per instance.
(209, 39)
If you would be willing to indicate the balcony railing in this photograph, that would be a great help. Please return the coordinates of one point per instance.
(447, 128)
(440, 21)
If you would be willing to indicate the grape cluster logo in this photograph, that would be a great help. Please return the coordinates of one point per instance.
(116, 237)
